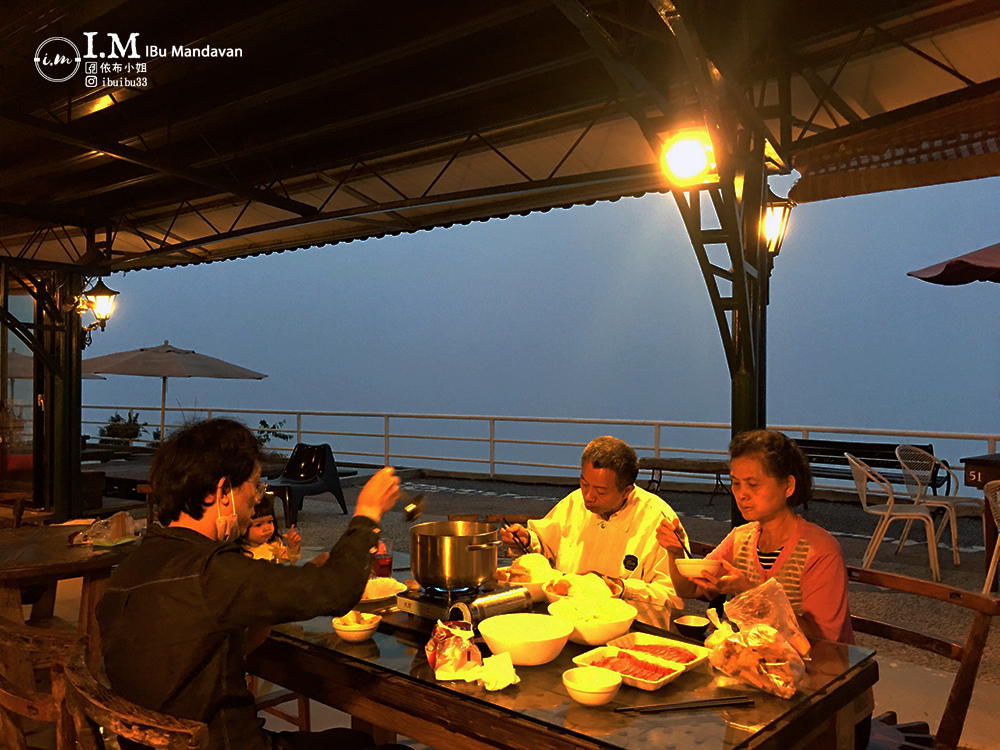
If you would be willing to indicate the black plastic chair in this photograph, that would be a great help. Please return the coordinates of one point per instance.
(311, 470)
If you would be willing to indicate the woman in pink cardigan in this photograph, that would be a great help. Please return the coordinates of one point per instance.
(770, 476)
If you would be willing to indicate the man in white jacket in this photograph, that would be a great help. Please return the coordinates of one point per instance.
(608, 527)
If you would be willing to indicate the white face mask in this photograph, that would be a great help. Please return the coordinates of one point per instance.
(227, 527)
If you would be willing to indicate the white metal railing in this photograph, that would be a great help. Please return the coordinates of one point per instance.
(488, 443)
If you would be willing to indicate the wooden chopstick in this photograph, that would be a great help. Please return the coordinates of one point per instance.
(740, 700)
(682, 540)
(525, 550)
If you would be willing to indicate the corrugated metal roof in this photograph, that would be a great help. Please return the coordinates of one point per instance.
(343, 121)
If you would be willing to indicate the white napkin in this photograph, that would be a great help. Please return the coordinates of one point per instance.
(496, 673)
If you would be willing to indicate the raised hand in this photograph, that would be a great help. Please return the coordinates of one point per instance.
(293, 539)
(378, 495)
(731, 581)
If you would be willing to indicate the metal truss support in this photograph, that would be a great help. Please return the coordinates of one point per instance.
(731, 219)
(737, 289)
(55, 338)
(737, 205)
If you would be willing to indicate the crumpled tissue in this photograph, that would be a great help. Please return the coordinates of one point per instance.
(495, 673)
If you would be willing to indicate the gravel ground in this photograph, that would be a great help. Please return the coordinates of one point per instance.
(321, 523)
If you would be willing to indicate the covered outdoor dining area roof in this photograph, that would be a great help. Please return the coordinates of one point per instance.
(138, 135)
(340, 121)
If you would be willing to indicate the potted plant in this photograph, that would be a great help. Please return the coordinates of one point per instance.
(122, 430)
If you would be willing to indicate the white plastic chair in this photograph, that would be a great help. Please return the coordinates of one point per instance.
(889, 512)
(918, 465)
(992, 492)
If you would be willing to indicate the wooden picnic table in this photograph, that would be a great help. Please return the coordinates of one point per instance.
(388, 688)
(32, 555)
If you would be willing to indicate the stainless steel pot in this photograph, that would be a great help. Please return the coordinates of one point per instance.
(453, 554)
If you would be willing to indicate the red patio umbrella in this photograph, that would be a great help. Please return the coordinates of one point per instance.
(979, 265)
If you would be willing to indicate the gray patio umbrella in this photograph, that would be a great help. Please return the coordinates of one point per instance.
(22, 367)
(164, 362)
(979, 265)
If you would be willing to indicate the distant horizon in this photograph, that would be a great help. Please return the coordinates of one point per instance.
(595, 312)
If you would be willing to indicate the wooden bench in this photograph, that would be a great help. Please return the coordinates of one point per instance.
(712, 467)
(968, 654)
(826, 460)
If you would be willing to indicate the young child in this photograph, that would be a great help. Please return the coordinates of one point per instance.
(262, 540)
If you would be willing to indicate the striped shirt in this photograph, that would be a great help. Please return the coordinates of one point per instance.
(768, 559)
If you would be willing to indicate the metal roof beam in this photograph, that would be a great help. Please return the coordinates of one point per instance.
(626, 181)
(45, 215)
(629, 81)
(825, 93)
(710, 73)
(149, 161)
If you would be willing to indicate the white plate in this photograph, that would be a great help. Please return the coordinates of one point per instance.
(381, 589)
(590, 658)
(631, 640)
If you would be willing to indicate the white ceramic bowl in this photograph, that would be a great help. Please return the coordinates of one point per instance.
(549, 595)
(690, 567)
(355, 632)
(591, 686)
(529, 638)
(535, 589)
(595, 621)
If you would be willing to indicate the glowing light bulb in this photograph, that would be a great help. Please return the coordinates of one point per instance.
(688, 158)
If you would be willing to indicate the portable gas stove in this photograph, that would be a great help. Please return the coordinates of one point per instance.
(433, 603)
(462, 604)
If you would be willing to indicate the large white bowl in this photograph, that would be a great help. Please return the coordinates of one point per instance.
(591, 686)
(690, 567)
(595, 621)
(529, 638)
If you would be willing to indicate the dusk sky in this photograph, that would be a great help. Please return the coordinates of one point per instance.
(596, 312)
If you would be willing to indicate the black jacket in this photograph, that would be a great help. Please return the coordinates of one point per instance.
(174, 616)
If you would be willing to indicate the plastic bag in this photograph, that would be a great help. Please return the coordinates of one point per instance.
(450, 651)
(768, 604)
(118, 529)
(758, 655)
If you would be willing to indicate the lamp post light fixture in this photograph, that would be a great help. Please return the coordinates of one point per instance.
(775, 223)
(100, 300)
(688, 157)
